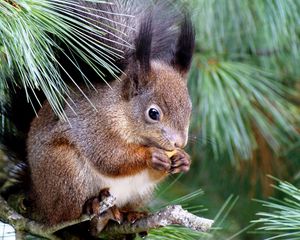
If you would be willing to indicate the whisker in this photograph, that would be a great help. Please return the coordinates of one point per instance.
(194, 139)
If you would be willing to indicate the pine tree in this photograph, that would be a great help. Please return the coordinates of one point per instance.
(245, 89)
(244, 84)
(30, 30)
(282, 219)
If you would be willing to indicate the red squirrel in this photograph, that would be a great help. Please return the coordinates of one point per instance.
(119, 142)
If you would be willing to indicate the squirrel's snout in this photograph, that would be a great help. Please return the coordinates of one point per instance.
(178, 140)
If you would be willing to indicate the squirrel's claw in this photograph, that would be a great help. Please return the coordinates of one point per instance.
(159, 160)
(104, 193)
(132, 217)
(117, 215)
(180, 162)
(92, 206)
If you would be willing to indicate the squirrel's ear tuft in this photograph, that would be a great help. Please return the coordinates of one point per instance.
(143, 44)
(185, 46)
(139, 69)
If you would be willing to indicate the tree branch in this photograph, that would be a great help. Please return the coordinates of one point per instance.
(22, 224)
(169, 216)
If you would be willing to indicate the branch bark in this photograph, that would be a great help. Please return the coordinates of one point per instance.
(169, 216)
(22, 224)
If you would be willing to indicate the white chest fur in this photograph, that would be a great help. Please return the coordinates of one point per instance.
(126, 189)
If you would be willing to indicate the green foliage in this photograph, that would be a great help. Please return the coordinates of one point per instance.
(175, 191)
(176, 233)
(27, 46)
(237, 77)
(233, 98)
(244, 84)
(282, 218)
(189, 203)
(236, 27)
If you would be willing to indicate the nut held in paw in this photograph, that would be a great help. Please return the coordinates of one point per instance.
(171, 153)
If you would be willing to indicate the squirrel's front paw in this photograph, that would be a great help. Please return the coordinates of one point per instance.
(159, 160)
(180, 162)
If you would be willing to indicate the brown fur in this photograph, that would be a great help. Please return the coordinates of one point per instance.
(113, 139)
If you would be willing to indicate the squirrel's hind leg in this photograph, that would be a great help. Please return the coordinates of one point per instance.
(61, 182)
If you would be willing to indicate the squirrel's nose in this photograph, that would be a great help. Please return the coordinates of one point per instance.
(179, 140)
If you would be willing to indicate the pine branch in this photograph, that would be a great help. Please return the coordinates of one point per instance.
(169, 216)
(281, 220)
(43, 27)
(22, 224)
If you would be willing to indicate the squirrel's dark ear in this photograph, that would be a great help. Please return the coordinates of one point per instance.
(185, 46)
(143, 44)
(139, 68)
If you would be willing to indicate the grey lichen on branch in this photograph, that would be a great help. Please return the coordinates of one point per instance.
(22, 224)
(171, 215)
(25, 225)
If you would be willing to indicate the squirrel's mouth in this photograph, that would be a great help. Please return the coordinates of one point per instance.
(166, 146)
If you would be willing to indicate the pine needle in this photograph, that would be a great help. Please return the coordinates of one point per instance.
(26, 47)
(282, 218)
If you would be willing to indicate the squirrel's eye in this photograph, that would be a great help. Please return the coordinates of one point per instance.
(154, 114)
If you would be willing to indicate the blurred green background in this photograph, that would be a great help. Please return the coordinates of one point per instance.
(245, 88)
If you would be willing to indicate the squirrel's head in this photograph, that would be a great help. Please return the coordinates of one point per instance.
(155, 91)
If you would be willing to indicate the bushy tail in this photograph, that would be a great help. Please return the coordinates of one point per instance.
(121, 20)
(16, 115)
